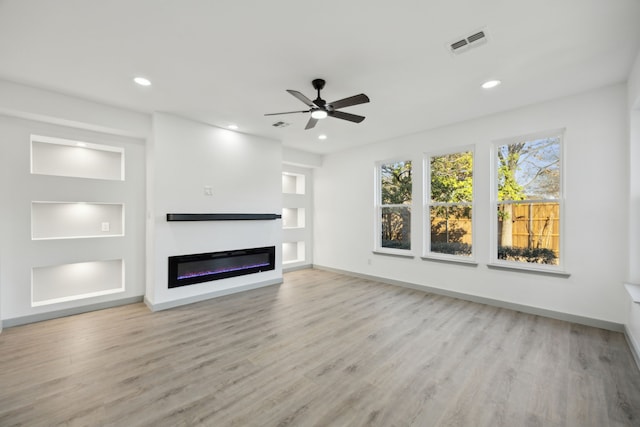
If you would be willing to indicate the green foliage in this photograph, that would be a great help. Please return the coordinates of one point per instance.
(396, 183)
(529, 169)
(508, 164)
(452, 248)
(532, 255)
(396, 244)
(396, 189)
(452, 178)
(451, 183)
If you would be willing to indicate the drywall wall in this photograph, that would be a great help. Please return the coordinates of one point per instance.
(633, 254)
(596, 173)
(25, 110)
(27, 102)
(19, 253)
(244, 175)
(291, 156)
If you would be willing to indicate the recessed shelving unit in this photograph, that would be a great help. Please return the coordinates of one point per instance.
(69, 282)
(293, 217)
(63, 157)
(296, 200)
(84, 163)
(293, 183)
(72, 220)
(293, 252)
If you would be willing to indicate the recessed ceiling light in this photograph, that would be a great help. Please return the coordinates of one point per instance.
(233, 127)
(81, 144)
(490, 84)
(142, 81)
(323, 136)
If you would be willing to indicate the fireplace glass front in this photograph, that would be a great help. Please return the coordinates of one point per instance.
(198, 268)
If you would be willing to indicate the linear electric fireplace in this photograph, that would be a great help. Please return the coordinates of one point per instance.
(197, 268)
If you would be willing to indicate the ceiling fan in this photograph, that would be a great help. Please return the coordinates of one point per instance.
(319, 108)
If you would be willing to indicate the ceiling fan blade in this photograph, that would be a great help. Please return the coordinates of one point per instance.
(301, 97)
(287, 112)
(347, 102)
(346, 116)
(311, 123)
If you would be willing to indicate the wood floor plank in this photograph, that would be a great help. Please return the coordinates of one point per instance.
(322, 349)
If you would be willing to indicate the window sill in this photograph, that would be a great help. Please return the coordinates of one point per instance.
(634, 292)
(530, 270)
(396, 254)
(458, 260)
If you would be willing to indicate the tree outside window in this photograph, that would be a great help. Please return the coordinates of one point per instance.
(529, 200)
(395, 205)
(450, 203)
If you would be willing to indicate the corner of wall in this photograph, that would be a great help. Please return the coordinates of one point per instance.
(633, 85)
(291, 156)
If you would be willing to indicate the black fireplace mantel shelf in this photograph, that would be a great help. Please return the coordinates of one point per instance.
(221, 216)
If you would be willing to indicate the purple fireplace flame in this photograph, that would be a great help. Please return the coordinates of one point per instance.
(197, 268)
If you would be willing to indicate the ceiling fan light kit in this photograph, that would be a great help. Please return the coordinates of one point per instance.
(319, 114)
(320, 109)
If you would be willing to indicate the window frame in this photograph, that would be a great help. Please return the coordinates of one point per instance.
(495, 262)
(427, 204)
(378, 207)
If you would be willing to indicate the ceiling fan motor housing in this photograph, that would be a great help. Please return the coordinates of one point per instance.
(318, 84)
(319, 108)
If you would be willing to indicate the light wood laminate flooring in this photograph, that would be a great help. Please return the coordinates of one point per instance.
(322, 349)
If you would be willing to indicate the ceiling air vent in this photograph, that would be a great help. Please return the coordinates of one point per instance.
(280, 124)
(475, 39)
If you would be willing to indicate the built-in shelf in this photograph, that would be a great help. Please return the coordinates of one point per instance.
(69, 282)
(293, 183)
(293, 217)
(73, 220)
(220, 217)
(293, 252)
(78, 159)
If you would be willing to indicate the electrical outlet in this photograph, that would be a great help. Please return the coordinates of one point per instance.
(208, 191)
(105, 226)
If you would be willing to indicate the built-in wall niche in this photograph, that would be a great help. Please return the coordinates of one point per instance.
(293, 183)
(292, 252)
(292, 217)
(69, 282)
(73, 220)
(63, 157)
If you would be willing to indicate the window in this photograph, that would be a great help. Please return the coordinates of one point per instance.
(393, 210)
(449, 205)
(528, 201)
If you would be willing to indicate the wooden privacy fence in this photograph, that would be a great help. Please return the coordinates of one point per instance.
(535, 225)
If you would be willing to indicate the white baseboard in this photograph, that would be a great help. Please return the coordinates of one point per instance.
(286, 269)
(32, 318)
(587, 321)
(633, 345)
(197, 298)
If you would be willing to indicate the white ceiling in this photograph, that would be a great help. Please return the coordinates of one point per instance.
(230, 61)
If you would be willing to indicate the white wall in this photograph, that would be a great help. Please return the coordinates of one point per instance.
(244, 173)
(596, 208)
(49, 107)
(19, 253)
(633, 309)
(291, 156)
(25, 110)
